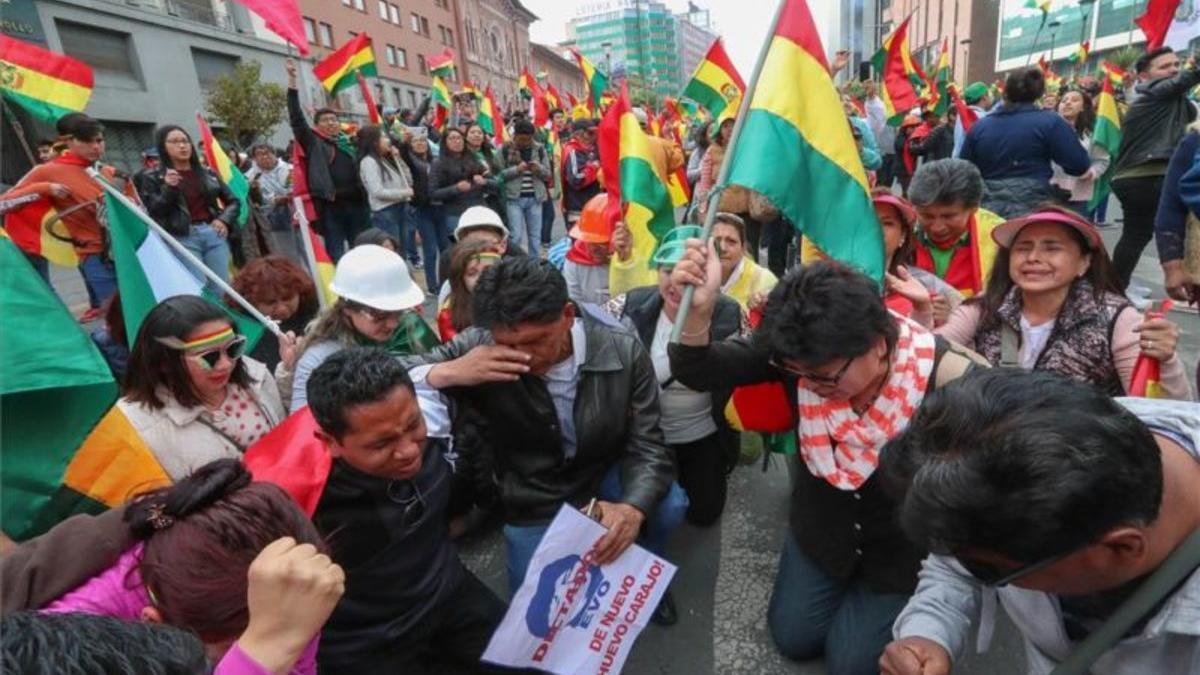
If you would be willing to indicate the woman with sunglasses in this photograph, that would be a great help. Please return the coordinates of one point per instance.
(378, 305)
(190, 393)
(843, 375)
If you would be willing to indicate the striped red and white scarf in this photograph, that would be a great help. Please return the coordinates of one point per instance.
(827, 424)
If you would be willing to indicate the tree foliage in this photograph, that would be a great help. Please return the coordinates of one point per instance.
(248, 108)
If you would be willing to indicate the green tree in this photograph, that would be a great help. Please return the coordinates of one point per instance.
(248, 108)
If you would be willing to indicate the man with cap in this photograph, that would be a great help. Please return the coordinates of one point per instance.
(977, 99)
(586, 267)
(477, 223)
(581, 169)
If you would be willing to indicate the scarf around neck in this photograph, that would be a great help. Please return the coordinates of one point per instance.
(843, 447)
(412, 336)
(341, 140)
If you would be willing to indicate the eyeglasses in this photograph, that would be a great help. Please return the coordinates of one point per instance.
(376, 315)
(408, 495)
(830, 380)
(989, 575)
(233, 350)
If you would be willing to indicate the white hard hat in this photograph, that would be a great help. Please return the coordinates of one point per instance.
(376, 277)
(641, 116)
(480, 216)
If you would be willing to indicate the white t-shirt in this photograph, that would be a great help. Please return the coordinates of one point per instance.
(1033, 341)
(686, 414)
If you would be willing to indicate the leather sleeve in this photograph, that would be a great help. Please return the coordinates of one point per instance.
(160, 199)
(232, 205)
(300, 130)
(721, 365)
(648, 467)
(42, 569)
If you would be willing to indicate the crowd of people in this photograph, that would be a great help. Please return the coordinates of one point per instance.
(968, 431)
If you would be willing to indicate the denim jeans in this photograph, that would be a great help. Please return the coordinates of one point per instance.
(340, 223)
(525, 223)
(99, 276)
(211, 248)
(520, 541)
(435, 238)
(811, 615)
(395, 221)
(548, 215)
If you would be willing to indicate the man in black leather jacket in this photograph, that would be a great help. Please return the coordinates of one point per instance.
(569, 409)
(1153, 126)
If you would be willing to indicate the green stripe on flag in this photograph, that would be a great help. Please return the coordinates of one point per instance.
(823, 201)
(47, 112)
(240, 188)
(640, 184)
(706, 96)
(351, 80)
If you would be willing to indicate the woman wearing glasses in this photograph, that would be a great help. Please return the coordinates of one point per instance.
(850, 374)
(190, 393)
(375, 308)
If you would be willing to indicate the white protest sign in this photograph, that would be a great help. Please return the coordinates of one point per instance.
(571, 616)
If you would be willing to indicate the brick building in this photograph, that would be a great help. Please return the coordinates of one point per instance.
(561, 71)
(404, 35)
(495, 45)
(970, 27)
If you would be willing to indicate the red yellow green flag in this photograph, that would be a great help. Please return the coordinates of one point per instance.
(527, 85)
(716, 84)
(229, 174)
(336, 71)
(941, 82)
(1146, 380)
(440, 94)
(28, 220)
(815, 176)
(441, 65)
(487, 114)
(1106, 134)
(46, 84)
(553, 99)
(1080, 55)
(898, 93)
(595, 81)
(1114, 73)
(373, 115)
(912, 69)
(645, 199)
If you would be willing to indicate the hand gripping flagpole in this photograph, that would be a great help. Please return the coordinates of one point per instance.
(187, 255)
(685, 303)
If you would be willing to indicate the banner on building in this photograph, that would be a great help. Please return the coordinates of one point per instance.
(573, 617)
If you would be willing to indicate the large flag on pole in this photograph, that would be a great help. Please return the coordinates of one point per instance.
(898, 92)
(941, 81)
(716, 84)
(645, 199)
(594, 79)
(336, 71)
(46, 84)
(815, 176)
(440, 94)
(1106, 134)
(66, 449)
(441, 65)
(1156, 22)
(373, 115)
(282, 17)
(230, 175)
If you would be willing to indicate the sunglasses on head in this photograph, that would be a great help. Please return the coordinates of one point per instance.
(990, 575)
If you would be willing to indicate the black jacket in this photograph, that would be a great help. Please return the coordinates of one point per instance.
(167, 206)
(643, 306)
(518, 454)
(939, 144)
(1157, 119)
(444, 176)
(319, 152)
(419, 168)
(847, 534)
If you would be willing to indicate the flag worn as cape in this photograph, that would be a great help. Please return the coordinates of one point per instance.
(229, 174)
(46, 84)
(815, 177)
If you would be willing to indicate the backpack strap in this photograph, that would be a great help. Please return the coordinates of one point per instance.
(952, 361)
(1010, 347)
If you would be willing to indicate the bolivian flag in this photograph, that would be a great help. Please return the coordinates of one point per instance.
(595, 81)
(230, 175)
(814, 174)
(898, 92)
(716, 84)
(336, 71)
(28, 223)
(1106, 134)
(440, 94)
(67, 450)
(46, 84)
(487, 115)
(941, 82)
(645, 199)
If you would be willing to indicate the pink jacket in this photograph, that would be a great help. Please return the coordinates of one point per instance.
(119, 592)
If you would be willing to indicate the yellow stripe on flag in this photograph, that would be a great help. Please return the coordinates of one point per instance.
(719, 81)
(43, 87)
(361, 58)
(114, 463)
(816, 113)
(54, 249)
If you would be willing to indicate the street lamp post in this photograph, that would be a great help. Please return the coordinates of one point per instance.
(1053, 25)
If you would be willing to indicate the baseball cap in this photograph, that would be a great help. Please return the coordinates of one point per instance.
(1006, 232)
(974, 92)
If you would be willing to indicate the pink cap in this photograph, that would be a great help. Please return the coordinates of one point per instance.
(907, 212)
(1006, 232)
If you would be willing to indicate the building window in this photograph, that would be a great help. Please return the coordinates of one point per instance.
(396, 96)
(470, 35)
(310, 30)
(416, 23)
(109, 53)
(326, 35)
(391, 55)
(402, 58)
(360, 5)
(421, 64)
(395, 12)
(412, 98)
(383, 10)
(424, 26)
(210, 66)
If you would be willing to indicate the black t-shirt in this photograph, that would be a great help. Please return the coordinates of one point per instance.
(344, 172)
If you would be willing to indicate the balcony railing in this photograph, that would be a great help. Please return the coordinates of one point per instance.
(213, 13)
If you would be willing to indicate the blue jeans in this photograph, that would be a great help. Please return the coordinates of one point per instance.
(520, 541)
(435, 238)
(525, 223)
(811, 615)
(395, 221)
(339, 224)
(99, 276)
(547, 221)
(211, 248)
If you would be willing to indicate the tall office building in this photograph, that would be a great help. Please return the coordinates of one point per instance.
(634, 39)
(694, 34)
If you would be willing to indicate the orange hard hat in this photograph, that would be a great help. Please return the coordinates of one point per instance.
(593, 226)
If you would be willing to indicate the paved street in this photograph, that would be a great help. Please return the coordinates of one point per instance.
(726, 571)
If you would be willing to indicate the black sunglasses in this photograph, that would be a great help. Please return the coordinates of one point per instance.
(989, 575)
(831, 380)
(376, 315)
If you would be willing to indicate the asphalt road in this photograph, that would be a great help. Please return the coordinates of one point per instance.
(726, 571)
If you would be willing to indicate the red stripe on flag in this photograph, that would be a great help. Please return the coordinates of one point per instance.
(44, 61)
(334, 62)
(372, 109)
(796, 24)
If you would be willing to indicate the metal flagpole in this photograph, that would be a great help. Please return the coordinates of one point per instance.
(187, 255)
(310, 255)
(685, 303)
(19, 131)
